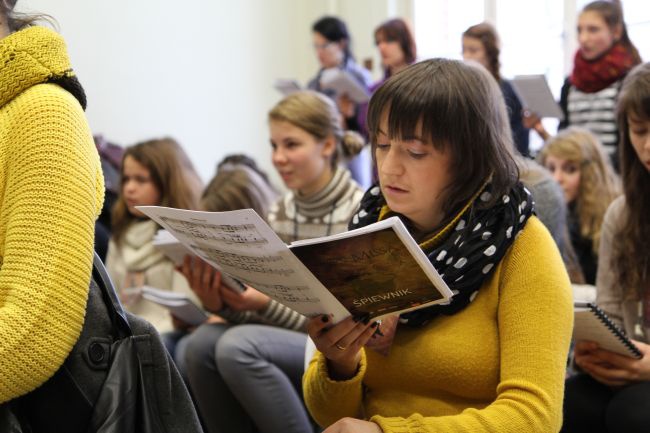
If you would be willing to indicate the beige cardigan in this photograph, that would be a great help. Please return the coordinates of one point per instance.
(626, 313)
(136, 262)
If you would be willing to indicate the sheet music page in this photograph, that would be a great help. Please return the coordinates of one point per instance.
(242, 245)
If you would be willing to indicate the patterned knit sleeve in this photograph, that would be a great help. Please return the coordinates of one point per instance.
(53, 192)
(236, 317)
(279, 315)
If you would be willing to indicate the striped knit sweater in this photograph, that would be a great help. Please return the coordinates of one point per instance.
(51, 191)
(595, 112)
(326, 211)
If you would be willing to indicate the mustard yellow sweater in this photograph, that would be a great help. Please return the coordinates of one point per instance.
(51, 191)
(496, 366)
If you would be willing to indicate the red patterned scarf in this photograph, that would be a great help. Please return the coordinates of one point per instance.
(591, 76)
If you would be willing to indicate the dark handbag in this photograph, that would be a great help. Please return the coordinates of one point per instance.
(122, 405)
(117, 379)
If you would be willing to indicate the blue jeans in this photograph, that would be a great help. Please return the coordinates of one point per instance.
(247, 378)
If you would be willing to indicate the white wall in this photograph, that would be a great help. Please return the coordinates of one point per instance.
(198, 70)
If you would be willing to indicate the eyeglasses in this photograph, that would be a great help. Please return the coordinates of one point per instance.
(324, 46)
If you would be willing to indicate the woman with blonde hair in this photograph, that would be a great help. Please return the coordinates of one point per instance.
(247, 378)
(154, 173)
(578, 163)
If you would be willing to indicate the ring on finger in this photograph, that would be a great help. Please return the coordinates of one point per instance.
(339, 347)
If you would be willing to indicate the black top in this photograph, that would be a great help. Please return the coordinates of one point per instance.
(583, 248)
(520, 134)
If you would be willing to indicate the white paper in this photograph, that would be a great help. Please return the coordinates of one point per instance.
(176, 251)
(178, 304)
(286, 86)
(170, 246)
(251, 252)
(588, 327)
(535, 95)
(342, 82)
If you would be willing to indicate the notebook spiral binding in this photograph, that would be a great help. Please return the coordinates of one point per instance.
(615, 330)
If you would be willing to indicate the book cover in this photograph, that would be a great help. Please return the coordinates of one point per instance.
(373, 274)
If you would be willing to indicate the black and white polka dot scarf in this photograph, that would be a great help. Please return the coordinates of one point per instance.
(470, 252)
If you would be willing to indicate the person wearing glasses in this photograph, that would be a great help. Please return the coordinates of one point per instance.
(332, 43)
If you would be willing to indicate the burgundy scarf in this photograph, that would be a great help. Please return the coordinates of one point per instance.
(591, 76)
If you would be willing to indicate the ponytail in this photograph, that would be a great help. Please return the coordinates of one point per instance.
(351, 144)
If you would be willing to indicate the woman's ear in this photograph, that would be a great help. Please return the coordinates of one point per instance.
(329, 146)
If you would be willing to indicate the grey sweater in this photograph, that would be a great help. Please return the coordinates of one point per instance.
(626, 313)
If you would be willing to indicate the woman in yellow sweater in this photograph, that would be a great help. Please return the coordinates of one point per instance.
(494, 358)
(51, 192)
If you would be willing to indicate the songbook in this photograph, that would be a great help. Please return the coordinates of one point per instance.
(373, 271)
(176, 251)
(535, 95)
(287, 86)
(343, 82)
(178, 304)
(592, 324)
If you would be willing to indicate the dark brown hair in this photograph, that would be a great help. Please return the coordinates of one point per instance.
(461, 109)
(334, 30)
(487, 34)
(18, 21)
(612, 14)
(631, 246)
(171, 172)
(396, 30)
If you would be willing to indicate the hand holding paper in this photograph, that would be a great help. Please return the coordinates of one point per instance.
(343, 83)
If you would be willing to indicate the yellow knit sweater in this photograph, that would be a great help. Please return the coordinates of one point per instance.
(51, 191)
(496, 366)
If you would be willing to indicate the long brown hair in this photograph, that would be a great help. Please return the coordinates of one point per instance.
(631, 247)
(612, 14)
(397, 30)
(171, 172)
(599, 185)
(463, 111)
(487, 34)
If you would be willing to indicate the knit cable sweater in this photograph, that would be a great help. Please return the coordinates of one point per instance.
(496, 366)
(51, 191)
(326, 212)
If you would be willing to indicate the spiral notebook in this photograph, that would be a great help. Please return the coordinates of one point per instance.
(592, 324)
